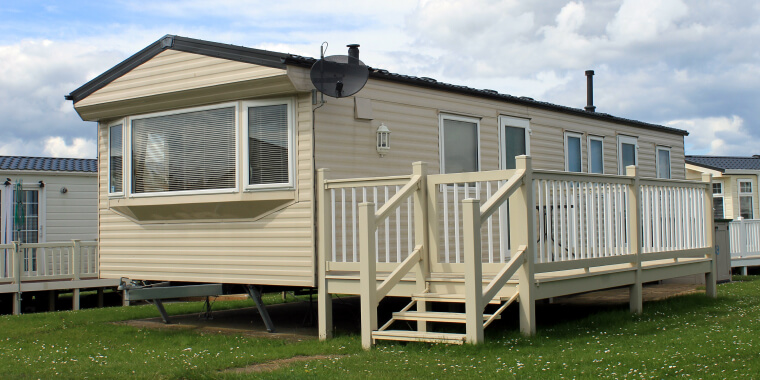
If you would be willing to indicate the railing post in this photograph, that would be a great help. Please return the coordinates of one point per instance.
(742, 242)
(473, 272)
(521, 209)
(76, 264)
(368, 272)
(636, 297)
(711, 278)
(17, 271)
(420, 236)
(324, 247)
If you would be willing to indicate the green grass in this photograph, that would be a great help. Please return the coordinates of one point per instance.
(690, 336)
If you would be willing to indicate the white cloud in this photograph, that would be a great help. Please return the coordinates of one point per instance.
(722, 136)
(79, 148)
(644, 20)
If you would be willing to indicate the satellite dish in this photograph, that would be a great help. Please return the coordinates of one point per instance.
(339, 76)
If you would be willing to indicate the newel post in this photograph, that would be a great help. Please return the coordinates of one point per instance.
(324, 248)
(76, 267)
(711, 278)
(636, 296)
(421, 236)
(367, 272)
(522, 231)
(742, 242)
(17, 271)
(473, 270)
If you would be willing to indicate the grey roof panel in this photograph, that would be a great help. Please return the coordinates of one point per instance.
(723, 163)
(85, 165)
(280, 60)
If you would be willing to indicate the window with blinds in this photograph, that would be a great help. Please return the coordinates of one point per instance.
(268, 148)
(188, 151)
(115, 160)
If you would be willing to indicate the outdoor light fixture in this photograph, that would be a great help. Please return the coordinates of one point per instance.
(383, 139)
(64, 190)
(42, 184)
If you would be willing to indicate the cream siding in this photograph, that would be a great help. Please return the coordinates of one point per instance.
(68, 216)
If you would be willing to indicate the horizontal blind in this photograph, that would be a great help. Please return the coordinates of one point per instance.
(185, 151)
(268, 144)
(115, 161)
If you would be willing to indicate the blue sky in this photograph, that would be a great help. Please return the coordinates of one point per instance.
(690, 65)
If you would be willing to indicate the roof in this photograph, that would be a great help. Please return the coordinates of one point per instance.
(723, 163)
(281, 60)
(84, 165)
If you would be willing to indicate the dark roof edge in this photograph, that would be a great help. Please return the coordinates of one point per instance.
(188, 45)
(722, 170)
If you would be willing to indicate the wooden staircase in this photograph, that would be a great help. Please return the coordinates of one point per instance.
(424, 317)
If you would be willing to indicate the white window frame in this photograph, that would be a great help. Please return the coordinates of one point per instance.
(291, 145)
(623, 139)
(468, 119)
(741, 194)
(657, 150)
(589, 139)
(236, 147)
(516, 122)
(720, 195)
(579, 136)
(41, 208)
(117, 194)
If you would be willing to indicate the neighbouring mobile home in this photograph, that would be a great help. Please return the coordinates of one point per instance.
(210, 159)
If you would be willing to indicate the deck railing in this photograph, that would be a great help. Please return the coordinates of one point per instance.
(72, 260)
(745, 238)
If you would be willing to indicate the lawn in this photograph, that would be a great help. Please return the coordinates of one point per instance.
(688, 336)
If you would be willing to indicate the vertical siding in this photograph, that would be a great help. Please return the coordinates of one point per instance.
(274, 250)
(72, 215)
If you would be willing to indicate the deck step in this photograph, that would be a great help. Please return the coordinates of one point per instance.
(453, 298)
(416, 336)
(432, 316)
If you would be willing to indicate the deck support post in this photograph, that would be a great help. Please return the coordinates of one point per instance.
(324, 248)
(368, 272)
(100, 297)
(636, 290)
(711, 278)
(17, 270)
(76, 265)
(524, 233)
(52, 298)
(420, 236)
(473, 273)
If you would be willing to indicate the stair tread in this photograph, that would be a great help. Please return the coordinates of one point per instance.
(430, 315)
(449, 297)
(407, 335)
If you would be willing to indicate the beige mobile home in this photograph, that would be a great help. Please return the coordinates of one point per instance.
(209, 156)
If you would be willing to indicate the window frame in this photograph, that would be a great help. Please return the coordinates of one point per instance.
(515, 122)
(631, 140)
(579, 136)
(291, 184)
(749, 194)
(441, 140)
(117, 194)
(720, 195)
(589, 139)
(657, 150)
(236, 148)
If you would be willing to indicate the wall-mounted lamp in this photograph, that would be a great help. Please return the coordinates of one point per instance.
(42, 184)
(383, 139)
(7, 182)
(64, 190)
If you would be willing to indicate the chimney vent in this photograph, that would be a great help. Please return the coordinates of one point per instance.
(590, 91)
(353, 54)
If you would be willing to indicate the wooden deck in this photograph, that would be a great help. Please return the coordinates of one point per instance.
(37, 267)
(536, 235)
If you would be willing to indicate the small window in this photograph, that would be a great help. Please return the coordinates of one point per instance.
(187, 151)
(663, 162)
(460, 151)
(269, 131)
(514, 140)
(596, 154)
(627, 153)
(745, 199)
(717, 190)
(573, 152)
(116, 159)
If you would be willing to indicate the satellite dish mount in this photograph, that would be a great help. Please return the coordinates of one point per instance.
(339, 76)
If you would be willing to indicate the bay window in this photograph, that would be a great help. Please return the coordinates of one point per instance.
(116, 159)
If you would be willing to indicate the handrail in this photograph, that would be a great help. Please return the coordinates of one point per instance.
(400, 196)
(370, 181)
(506, 272)
(501, 195)
(398, 273)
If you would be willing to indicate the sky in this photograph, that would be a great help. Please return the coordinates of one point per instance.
(693, 65)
